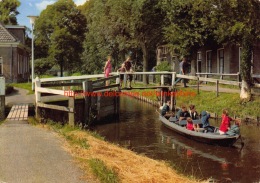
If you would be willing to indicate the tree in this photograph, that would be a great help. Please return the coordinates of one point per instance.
(119, 27)
(8, 11)
(59, 32)
(188, 28)
(148, 30)
(238, 22)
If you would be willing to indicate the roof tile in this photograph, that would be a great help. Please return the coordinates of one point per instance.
(5, 35)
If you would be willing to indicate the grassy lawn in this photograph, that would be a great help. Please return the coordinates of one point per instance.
(27, 86)
(208, 101)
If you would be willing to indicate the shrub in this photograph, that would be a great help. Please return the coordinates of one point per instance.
(8, 89)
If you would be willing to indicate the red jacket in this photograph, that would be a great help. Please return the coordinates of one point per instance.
(225, 124)
(189, 126)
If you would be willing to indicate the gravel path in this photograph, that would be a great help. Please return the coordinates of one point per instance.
(32, 155)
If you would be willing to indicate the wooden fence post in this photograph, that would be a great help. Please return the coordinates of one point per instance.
(72, 113)
(87, 89)
(217, 83)
(2, 98)
(198, 85)
(238, 77)
(37, 97)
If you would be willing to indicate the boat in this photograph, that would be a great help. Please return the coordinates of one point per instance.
(209, 137)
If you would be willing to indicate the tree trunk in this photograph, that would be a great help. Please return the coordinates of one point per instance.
(61, 68)
(145, 62)
(245, 65)
(245, 93)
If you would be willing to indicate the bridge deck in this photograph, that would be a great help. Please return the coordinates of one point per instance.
(18, 112)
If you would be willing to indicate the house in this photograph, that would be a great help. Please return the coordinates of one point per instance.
(165, 53)
(14, 55)
(215, 59)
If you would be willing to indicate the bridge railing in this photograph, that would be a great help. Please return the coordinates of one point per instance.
(47, 85)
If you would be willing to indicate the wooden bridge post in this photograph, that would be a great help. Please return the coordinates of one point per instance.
(72, 113)
(2, 98)
(125, 80)
(162, 80)
(87, 89)
(217, 83)
(173, 78)
(37, 97)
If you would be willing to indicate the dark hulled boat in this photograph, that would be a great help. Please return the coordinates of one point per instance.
(212, 138)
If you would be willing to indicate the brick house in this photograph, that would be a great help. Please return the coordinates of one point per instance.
(216, 59)
(14, 55)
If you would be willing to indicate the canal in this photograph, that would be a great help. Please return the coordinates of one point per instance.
(139, 129)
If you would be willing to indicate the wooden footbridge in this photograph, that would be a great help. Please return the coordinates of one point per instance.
(18, 113)
(96, 99)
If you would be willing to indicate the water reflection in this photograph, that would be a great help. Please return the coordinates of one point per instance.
(140, 130)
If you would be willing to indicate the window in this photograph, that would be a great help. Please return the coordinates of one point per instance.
(209, 61)
(1, 66)
(199, 58)
(221, 60)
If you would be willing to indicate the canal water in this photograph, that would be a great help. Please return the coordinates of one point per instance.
(140, 130)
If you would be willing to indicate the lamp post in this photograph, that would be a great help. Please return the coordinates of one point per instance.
(32, 21)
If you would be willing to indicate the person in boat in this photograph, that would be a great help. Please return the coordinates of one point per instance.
(190, 125)
(184, 113)
(193, 113)
(234, 129)
(225, 123)
(178, 114)
(166, 110)
(205, 119)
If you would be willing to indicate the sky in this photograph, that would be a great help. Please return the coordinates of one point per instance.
(34, 7)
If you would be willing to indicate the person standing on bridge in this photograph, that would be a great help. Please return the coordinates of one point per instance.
(128, 68)
(107, 69)
(121, 70)
(183, 70)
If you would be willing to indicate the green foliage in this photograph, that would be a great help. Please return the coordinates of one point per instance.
(41, 66)
(8, 11)
(102, 172)
(65, 130)
(163, 66)
(59, 33)
(188, 27)
(117, 27)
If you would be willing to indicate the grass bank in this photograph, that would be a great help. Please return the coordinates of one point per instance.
(207, 100)
(106, 162)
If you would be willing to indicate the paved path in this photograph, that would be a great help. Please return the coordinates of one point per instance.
(19, 96)
(32, 155)
(222, 90)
